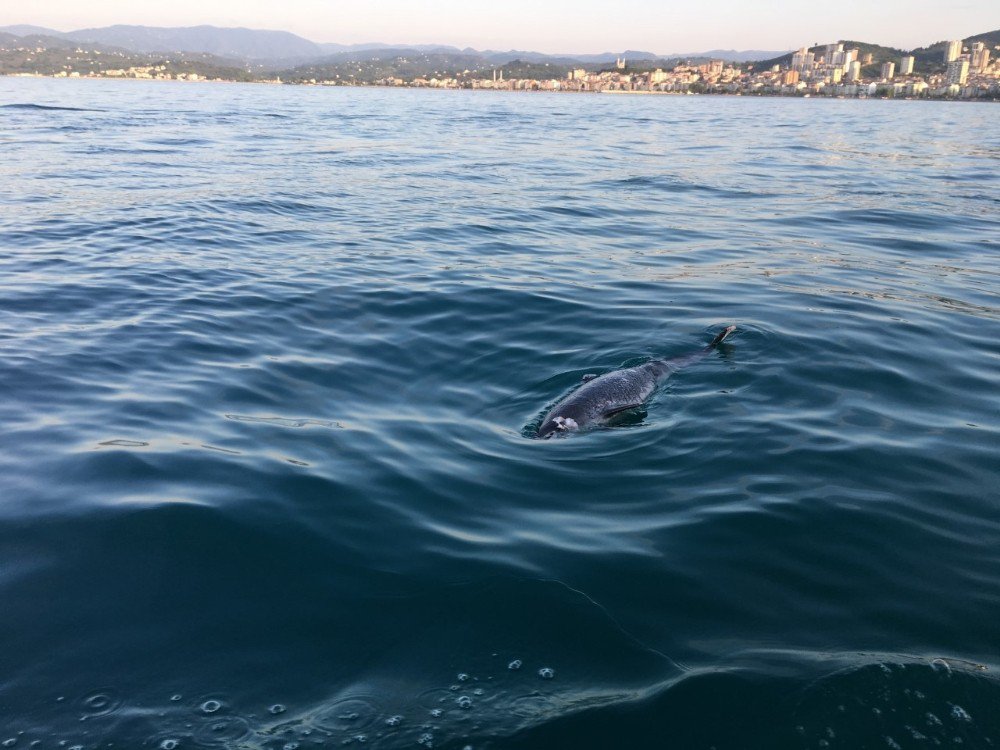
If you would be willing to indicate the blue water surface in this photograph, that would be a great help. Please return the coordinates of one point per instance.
(271, 359)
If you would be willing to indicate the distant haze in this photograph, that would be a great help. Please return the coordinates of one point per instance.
(557, 26)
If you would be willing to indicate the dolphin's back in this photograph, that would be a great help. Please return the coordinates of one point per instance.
(603, 397)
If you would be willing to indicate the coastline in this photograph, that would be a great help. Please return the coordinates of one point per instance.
(993, 98)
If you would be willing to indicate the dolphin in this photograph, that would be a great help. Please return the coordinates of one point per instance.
(602, 397)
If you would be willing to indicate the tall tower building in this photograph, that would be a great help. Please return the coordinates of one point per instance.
(958, 71)
(952, 50)
(980, 57)
(803, 59)
(906, 65)
(854, 73)
(888, 70)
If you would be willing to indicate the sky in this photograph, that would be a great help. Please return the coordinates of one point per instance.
(554, 26)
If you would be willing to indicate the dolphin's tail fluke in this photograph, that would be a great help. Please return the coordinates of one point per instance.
(675, 363)
(721, 337)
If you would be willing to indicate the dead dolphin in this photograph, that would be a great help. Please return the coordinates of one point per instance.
(602, 397)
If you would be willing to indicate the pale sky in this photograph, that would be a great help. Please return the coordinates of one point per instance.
(553, 26)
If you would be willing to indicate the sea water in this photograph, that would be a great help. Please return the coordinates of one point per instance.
(271, 359)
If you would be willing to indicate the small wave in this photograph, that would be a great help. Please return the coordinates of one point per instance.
(671, 184)
(47, 108)
(285, 421)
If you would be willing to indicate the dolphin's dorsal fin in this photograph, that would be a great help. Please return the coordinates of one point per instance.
(721, 337)
(588, 377)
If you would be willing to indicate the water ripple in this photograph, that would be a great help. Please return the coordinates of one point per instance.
(270, 356)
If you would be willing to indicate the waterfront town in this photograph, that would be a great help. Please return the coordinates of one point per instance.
(969, 71)
(835, 71)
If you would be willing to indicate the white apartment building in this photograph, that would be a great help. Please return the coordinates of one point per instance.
(958, 71)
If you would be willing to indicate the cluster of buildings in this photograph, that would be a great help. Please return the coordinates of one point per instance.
(148, 72)
(681, 79)
(832, 71)
(841, 72)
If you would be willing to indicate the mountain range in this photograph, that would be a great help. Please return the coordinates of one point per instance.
(282, 48)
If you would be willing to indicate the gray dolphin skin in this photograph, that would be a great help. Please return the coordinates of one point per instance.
(601, 398)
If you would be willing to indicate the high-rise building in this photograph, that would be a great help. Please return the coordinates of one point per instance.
(906, 65)
(958, 71)
(866, 59)
(888, 70)
(952, 50)
(830, 51)
(854, 73)
(803, 59)
(980, 57)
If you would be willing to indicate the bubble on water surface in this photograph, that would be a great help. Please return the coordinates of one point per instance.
(169, 744)
(394, 721)
(546, 673)
(211, 706)
(276, 709)
(464, 702)
(515, 665)
(100, 703)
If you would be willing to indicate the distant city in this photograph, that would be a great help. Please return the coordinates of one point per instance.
(834, 71)
(958, 69)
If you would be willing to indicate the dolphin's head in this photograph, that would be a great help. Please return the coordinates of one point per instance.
(559, 425)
